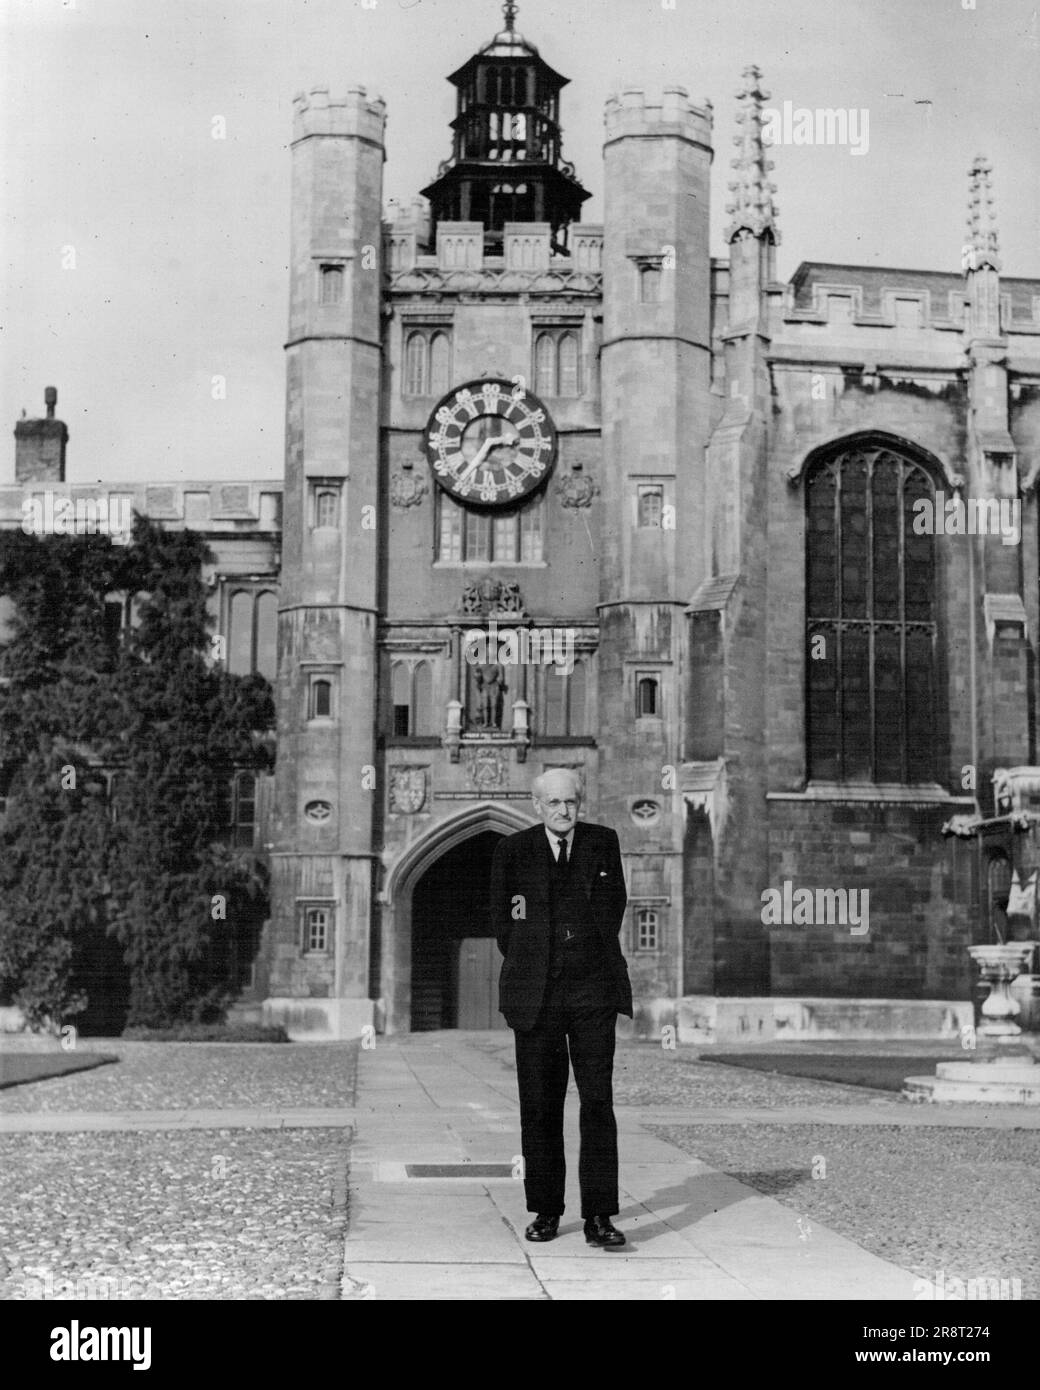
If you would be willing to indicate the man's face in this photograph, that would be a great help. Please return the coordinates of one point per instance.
(558, 804)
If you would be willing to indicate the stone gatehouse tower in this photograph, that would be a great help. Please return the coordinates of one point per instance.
(501, 419)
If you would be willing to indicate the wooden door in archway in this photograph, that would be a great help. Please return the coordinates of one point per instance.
(478, 963)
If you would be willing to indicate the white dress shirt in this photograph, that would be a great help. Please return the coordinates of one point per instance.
(554, 842)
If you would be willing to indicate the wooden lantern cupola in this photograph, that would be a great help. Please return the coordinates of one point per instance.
(506, 164)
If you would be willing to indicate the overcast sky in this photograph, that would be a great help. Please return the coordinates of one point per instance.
(180, 240)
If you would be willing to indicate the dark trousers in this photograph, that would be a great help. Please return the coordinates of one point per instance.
(568, 1020)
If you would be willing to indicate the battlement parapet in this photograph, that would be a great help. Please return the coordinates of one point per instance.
(358, 112)
(640, 111)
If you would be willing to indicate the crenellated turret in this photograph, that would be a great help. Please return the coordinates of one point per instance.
(321, 863)
(655, 358)
(656, 403)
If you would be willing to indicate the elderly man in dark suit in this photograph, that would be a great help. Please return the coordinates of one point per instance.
(557, 901)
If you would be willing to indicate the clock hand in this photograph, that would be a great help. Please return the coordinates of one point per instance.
(478, 458)
(499, 441)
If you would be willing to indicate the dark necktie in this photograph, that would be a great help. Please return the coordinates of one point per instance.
(561, 875)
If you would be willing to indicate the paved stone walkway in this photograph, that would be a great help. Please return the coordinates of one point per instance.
(693, 1233)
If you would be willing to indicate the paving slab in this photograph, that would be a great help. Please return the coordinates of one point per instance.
(392, 1226)
(781, 1255)
(466, 1283)
(647, 1236)
(642, 1290)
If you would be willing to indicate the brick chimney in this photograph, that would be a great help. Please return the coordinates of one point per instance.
(39, 449)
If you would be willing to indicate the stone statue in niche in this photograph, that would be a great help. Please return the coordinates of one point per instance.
(491, 687)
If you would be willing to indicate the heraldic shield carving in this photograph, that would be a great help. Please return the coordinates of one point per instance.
(407, 790)
(407, 489)
(487, 769)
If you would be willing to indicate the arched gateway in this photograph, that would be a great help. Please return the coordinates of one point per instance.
(438, 961)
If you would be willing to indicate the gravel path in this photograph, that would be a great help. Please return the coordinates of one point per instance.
(963, 1201)
(214, 1214)
(200, 1076)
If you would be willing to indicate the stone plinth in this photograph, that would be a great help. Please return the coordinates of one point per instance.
(1006, 1081)
(321, 1020)
(718, 1019)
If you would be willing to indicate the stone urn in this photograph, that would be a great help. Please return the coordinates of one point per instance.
(1003, 1070)
(1000, 964)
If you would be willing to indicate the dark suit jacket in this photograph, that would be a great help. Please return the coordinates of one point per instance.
(520, 874)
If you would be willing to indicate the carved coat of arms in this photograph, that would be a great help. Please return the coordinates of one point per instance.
(407, 489)
(407, 790)
(480, 598)
(487, 769)
(576, 490)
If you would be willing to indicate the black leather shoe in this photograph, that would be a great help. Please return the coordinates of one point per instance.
(543, 1228)
(600, 1230)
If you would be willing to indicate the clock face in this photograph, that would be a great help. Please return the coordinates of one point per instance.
(490, 443)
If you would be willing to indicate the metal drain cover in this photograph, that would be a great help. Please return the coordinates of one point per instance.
(459, 1170)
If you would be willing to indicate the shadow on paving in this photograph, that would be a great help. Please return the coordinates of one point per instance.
(700, 1196)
